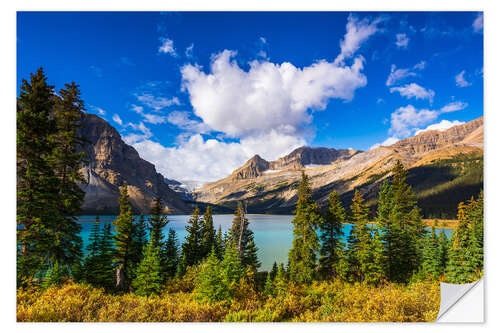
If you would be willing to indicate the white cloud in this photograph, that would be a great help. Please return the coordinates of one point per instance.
(116, 118)
(264, 110)
(414, 90)
(209, 160)
(133, 138)
(189, 51)
(181, 119)
(167, 46)
(100, 111)
(357, 32)
(461, 81)
(406, 120)
(477, 25)
(402, 40)
(387, 142)
(441, 126)
(268, 96)
(148, 117)
(453, 106)
(380, 101)
(421, 65)
(397, 75)
(156, 103)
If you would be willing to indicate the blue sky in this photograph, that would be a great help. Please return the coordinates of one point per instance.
(199, 93)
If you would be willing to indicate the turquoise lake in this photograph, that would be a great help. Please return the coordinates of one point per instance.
(273, 233)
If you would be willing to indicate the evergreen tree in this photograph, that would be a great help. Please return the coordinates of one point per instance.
(148, 278)
(192, 248)
(209, 237)
(302, 256)
(466, 253)
(280, 282)
(431, 265)
(209, 283)
(274, 271)
(243, 238)
(171, 254)
(443, 242)
(403, 229)
(219, 244)
(37, 184)
(269, 286)
(331, 236)
(231, 268)
(157, 221)
(124, 241)
(105, 275)
(365, 248)
(91, 263)
(55, 275)
(141, 235)
(66, 160)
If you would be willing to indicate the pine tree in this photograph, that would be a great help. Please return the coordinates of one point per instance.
(250, 259)
(274, 271)
(280, 282)
(331, 236)
(364, 245)
(243, 238)
(91, 262)
(37, 184)
(302, 256)
(466, 253)
(269, 286)
(105, 276)
(66, 160)
(148, 278)
(443, 242)
(231, 268)
(157, 222)
(219, 244)
(192, 247)
(55, 275)
(123, 239)
(209, 237)
(209, 283)
(171, 254)
(403, 230)
(431, 265)
(141, 235)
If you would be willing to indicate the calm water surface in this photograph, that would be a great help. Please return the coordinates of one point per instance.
(273, 233)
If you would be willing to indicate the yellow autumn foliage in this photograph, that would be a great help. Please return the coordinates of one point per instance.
(334, 301)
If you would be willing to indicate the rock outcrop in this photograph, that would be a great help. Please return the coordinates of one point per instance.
(112, 163)
(470, 132)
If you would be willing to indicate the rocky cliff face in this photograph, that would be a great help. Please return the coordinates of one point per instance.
(253, 168)
(432, 140)
(112, 163)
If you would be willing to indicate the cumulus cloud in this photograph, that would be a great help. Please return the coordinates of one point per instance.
(167, 46)
(211, 159)
(441, 126)
(461, 81)
(357, 32)
(406, 120)
(402, 41)
(477, 25)
(268, 96)
(263, 110)
(116, 118)
(387, 142)
(415, 90)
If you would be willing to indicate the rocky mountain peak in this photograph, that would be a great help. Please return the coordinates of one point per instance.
(253, 168)
(112, 163)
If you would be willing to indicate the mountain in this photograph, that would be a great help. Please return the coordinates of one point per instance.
(445, 167)
(112, 163)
